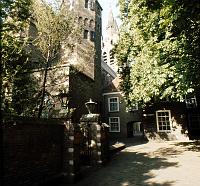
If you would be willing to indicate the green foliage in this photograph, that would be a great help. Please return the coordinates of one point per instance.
(24, 95)
(56, 28)
(15, 21)
(162, 39)
(15, 18)
(33, 33)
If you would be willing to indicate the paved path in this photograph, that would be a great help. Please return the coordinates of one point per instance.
(150, 164)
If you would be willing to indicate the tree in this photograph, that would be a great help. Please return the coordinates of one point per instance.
(55, 27)
(162, 39)
(15, 18)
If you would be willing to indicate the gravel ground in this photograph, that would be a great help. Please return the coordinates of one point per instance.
(150, 164)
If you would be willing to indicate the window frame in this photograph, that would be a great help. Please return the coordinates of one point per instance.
(118, 122)
(157, 120)
(191, 102)
(109, 102)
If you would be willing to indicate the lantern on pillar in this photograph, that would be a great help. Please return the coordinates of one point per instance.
(91, 106)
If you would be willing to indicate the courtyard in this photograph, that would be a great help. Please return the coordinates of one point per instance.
(171, 163)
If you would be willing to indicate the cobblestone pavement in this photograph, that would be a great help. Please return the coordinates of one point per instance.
(150, 164)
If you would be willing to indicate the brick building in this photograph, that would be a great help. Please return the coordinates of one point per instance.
(122, 123)
(78, 72)
(172, 120)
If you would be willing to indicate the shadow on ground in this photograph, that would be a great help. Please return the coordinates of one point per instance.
(167, 152)
(129, 169)
(190, 146)
(131, 141)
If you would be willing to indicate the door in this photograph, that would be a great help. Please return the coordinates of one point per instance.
(137, 130)
(130, 129)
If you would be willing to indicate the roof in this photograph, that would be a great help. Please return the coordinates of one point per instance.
(114, 86)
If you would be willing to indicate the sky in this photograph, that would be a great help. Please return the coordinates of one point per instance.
(106, 4)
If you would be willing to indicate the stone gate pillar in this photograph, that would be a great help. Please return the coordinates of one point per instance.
(97, 137)
(71, 167)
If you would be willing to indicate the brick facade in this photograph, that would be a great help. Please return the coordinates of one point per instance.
(125, 117)
(77, 72)
(178, 120)
(81, 89)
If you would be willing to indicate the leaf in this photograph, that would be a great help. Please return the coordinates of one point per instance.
(160, 40)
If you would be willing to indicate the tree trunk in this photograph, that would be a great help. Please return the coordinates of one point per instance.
(44, 86)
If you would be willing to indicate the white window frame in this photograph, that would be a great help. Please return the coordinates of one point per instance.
(109, 102)
(110, 128)
(164, 119)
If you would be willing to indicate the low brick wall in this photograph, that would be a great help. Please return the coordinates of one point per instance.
(36, 152)
(33, 151)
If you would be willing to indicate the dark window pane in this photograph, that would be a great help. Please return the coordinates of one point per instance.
(85, 34)
(86, 3)
(92, 35)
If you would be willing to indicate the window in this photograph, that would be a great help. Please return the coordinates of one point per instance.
(86, 22)
(114, 124)
(86, 3)
(163, 118)
(191, 102)
(105, 57)
(92, 35)
(113, 104)
(85, 36)
(91, 23)
(91, 5)
(80, 19)
(112, 57)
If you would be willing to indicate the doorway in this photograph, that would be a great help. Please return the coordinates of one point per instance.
(137, 130)
(134, 129)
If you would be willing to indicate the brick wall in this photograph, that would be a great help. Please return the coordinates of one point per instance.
(32, 151)
(81, 90)
(178, 119)
(37, 152)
